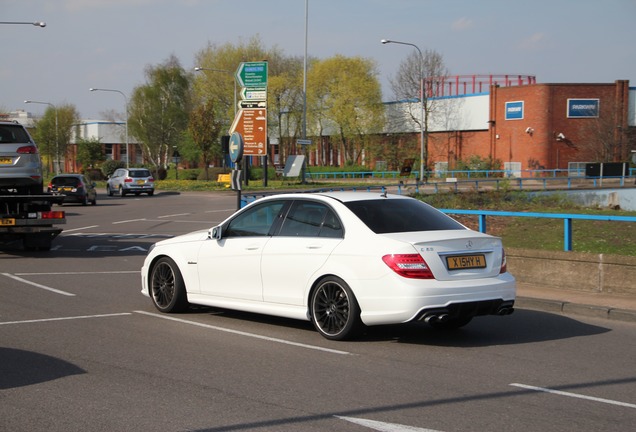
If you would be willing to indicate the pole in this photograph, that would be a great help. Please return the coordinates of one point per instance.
(423, 138)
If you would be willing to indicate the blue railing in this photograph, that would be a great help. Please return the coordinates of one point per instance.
(464, 174)
(567, 220)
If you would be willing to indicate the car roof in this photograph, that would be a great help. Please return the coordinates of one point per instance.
(68, 175)
(341, 196)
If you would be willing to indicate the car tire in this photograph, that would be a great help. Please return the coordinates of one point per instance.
(334, 310)
(121, 191)
(166, 286)
(85, 200)
(109, 191)
(151, 193)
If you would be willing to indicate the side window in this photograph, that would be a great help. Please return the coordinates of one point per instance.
(257, 221)
(310, 219)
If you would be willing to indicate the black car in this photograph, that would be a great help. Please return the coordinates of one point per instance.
(75, 188)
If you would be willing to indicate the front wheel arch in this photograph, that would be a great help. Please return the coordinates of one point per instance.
(166, 286)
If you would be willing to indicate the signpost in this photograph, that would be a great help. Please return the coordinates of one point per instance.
(236, 149)
(250, 121)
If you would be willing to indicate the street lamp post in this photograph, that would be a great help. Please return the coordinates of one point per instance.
(199, 69)
(57, 145)
(125, 100)
(423, 150)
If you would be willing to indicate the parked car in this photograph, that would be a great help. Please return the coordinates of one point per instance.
(342, 260)
(76, 188)
(130, 180)
(20, 165)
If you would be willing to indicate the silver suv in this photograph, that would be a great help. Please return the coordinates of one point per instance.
(130, 180)
(20, 165)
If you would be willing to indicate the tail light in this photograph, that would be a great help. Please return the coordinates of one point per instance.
(151, 179)
(27, 150)
(53, 215)
(504, 262)
(408, 265)
(128, 180)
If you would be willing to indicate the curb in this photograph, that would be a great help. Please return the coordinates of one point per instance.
(564, 307)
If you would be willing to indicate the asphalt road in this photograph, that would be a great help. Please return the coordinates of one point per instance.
(82, 350)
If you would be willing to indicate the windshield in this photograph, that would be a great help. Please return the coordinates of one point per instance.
(385, 216)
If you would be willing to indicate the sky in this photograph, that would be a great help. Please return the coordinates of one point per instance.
(109, 43)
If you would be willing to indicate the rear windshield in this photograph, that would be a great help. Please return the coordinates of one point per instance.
(65, 181)
(140, 173)
(13, 134)
(384, 216)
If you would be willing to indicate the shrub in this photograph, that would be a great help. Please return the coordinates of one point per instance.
(109, 167)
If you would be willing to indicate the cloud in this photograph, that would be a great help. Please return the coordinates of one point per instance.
(533, 42)
(462, 24)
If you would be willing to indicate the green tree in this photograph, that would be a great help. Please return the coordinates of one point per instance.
(159, 110)
(215, 81)
(89, 153)
(53, 133)
(344, 95)
(205, 127)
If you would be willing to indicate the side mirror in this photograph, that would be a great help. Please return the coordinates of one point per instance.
(215, 233)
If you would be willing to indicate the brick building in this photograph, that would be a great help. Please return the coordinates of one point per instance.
(536, 126)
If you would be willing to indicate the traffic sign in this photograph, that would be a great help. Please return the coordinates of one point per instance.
(236, 147)
(251, 123)
(252, 74)
(303, 141)
(255, 93)
(252, 104)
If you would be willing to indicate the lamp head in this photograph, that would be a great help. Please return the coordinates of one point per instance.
(385, 41)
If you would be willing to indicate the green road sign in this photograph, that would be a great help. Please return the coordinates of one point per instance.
(252, 74)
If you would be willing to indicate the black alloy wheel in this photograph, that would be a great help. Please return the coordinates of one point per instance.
(167, 288)
(334, 310)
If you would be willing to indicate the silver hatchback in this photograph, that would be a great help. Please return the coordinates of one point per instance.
(130, 181)
(20, 165)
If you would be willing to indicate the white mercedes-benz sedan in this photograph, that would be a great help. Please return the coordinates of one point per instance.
(342, 260)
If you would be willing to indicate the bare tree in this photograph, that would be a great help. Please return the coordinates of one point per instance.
(406, 86)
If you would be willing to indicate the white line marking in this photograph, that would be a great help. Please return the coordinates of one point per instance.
(77, 273)
(574, 395)
(65, 318)
(127, 221)
(384, 427)
(253, 335)
(44, 287)
(79, 229)
(173, 215)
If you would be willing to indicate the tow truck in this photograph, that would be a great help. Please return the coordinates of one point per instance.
(30, 219)
(26, 212)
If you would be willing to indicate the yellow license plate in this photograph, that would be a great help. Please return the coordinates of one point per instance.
(6, 161)
(7, 222)
(465, 261)
(141, 181)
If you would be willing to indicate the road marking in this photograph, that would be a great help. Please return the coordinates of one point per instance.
(384, 427)
(574, 395)
(79, 229)
(76, 273)
(252, 335)
(65, 318)
(128, 221)
(44, 287)
(173, 215)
